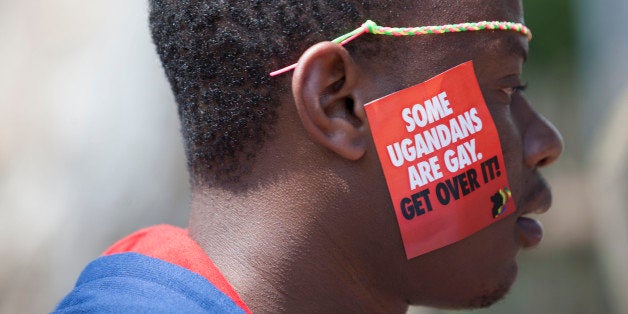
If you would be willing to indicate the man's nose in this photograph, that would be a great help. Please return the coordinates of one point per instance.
(542, 143)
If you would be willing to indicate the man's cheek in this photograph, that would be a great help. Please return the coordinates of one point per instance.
(511, 141)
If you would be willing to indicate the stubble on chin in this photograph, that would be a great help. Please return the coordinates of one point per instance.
(496, 293)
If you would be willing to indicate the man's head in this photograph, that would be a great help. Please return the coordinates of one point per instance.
(217, 56)
(295, 153)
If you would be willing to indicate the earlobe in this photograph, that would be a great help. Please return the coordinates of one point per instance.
(324, 86)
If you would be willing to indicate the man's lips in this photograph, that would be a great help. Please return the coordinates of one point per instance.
(538, 201)
(530, 231)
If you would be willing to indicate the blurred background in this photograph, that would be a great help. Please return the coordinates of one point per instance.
(90, 149)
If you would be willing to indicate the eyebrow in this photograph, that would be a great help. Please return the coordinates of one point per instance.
(516, 48)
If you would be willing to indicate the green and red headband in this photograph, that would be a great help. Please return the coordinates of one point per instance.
(372, 28)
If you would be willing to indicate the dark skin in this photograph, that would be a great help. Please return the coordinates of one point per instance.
(318, 233)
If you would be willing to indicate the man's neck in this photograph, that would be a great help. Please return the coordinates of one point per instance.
(280, 256)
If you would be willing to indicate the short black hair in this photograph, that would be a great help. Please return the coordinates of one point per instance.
(217, 55)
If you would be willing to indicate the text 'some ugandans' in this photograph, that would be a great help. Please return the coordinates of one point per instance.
(442, 159)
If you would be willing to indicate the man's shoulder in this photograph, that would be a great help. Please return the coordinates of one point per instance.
(131, 282)
(160, 268)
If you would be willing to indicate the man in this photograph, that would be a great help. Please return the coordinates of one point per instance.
(289, 200)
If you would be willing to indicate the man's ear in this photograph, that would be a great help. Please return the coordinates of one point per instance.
(324, 86)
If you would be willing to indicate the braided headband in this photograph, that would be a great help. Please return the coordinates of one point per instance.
(370, 27)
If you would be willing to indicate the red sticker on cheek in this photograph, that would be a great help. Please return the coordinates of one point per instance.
(442, 159)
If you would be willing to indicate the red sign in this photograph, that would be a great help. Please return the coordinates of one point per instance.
(442, 160)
